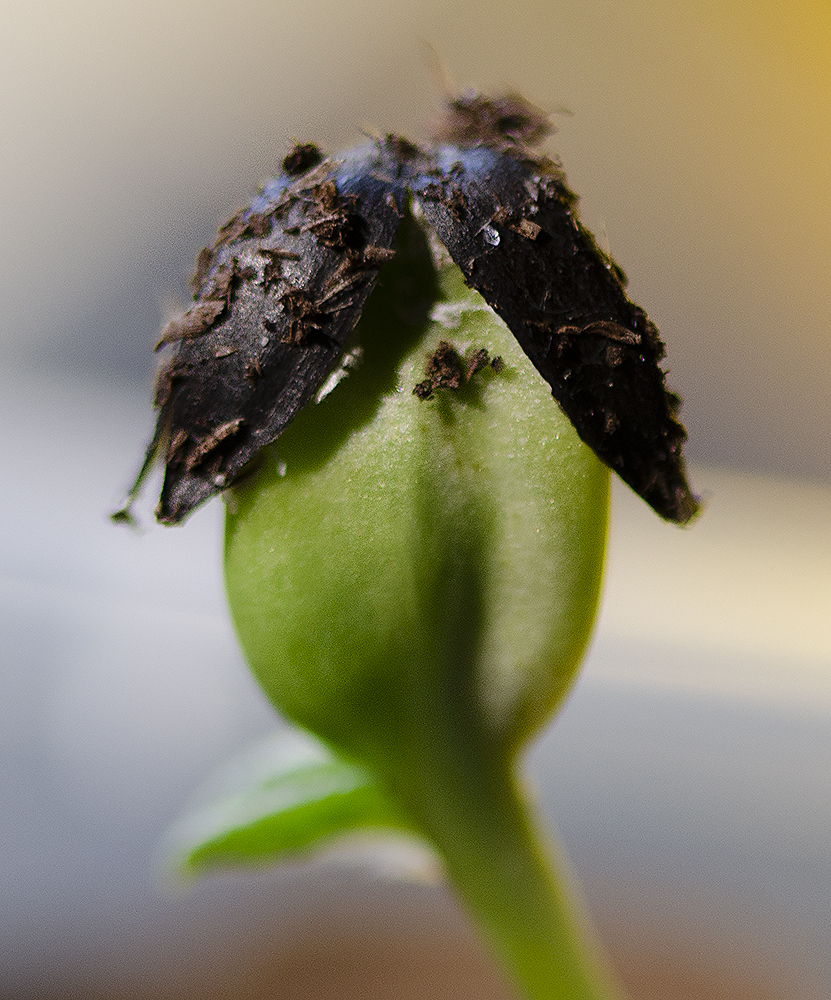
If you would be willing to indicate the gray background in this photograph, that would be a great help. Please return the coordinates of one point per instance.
(689, 772)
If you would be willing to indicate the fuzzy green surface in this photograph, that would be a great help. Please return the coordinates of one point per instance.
(396, 556)
(415, 580)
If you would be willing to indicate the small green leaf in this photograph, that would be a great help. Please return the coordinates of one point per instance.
(287, 795)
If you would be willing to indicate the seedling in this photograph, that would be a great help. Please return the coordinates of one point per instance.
(415, 529)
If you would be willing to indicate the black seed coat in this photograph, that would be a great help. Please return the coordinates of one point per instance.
(511, 228)
(296, 296)
(288, 277)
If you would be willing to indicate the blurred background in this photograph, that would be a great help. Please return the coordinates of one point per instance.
(689, 773)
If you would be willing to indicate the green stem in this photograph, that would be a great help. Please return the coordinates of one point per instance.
(514, 883)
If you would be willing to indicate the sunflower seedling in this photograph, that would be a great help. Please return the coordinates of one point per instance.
(415, 529)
